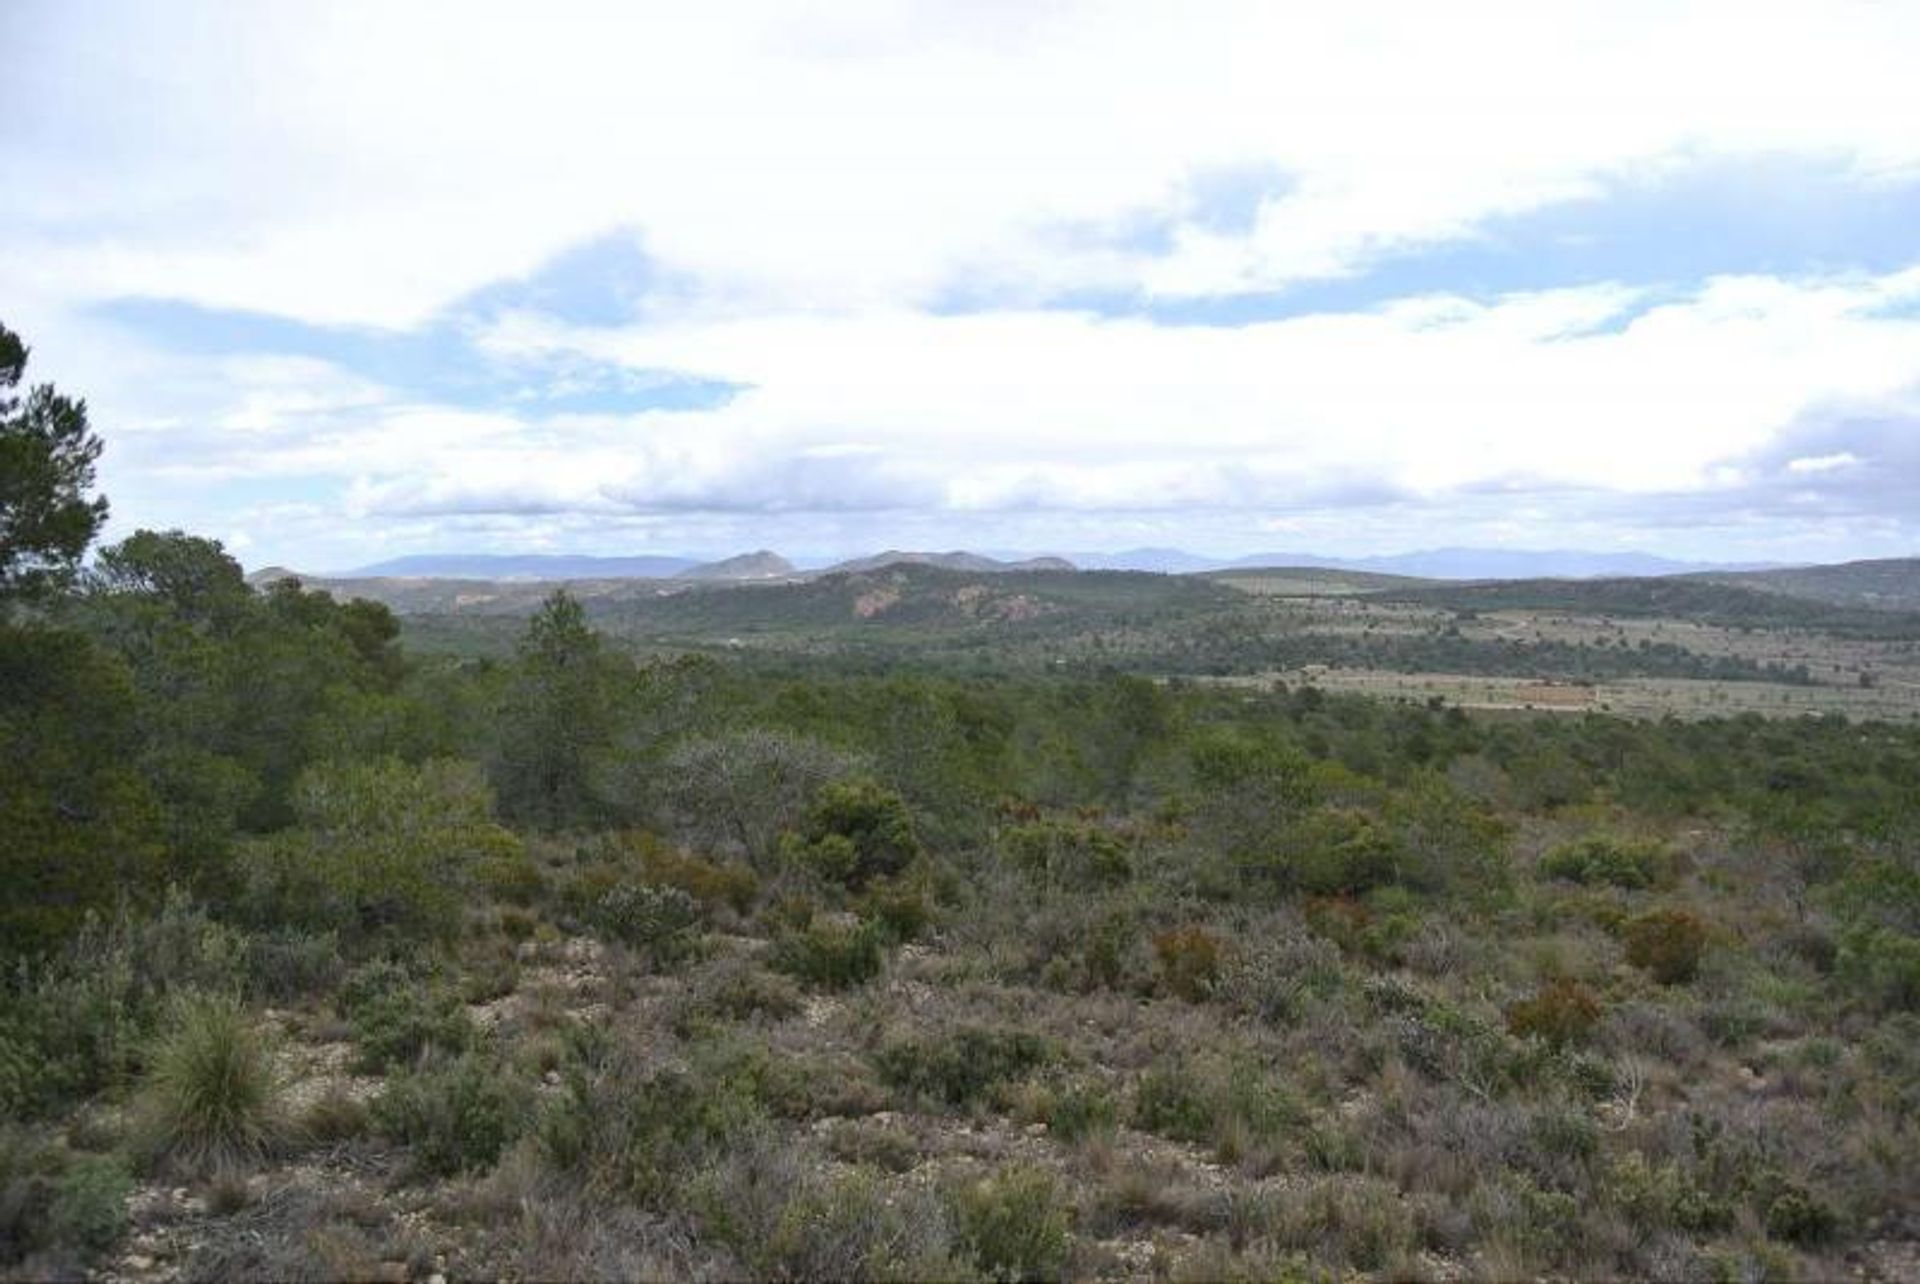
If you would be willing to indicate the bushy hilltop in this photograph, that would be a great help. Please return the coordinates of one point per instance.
(1813, 600)
(1887, 584)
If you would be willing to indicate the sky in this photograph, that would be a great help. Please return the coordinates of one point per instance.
(350, 281)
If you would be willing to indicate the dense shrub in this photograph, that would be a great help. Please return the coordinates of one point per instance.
(456, 1116)
(1014, 1225)
(382, 847)
(77, 1022)
(1190, 961)
(1342, 852)
(1064, 853)
(855, 1228)
(1610, 859)
(397, 1017)
(57, 1209)
(1226, 1102)
(1562, 1011)
(636, 1132)
(660, 923)
(959, 1066)
(89, 1205)
(855, 831)
(1668, 944)
(831, 953)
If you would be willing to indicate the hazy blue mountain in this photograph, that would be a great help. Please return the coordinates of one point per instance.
(1171, 561)
(762, 565)
(1497, 564)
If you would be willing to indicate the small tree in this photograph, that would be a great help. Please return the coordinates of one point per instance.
(47, 455)
(557, 720)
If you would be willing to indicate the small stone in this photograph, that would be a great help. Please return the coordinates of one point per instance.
(139, 1263)
(1036, 1130)
(436, 1278)
(390, 1273)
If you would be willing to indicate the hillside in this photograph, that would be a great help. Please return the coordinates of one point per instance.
(762, 565)
(1887, 584)
(954, 561)
(1703, 600)
(1309, 581)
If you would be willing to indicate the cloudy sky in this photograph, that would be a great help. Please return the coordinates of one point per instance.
(346, 281)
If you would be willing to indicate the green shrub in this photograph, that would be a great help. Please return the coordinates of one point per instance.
(1668, 944)
(637, 1133)
(1169, 1101)
(855, 831)
(57, 1208)
(855, 1228)
(1343, 852)
(1562, 1011)
(89, 1206)
(1063, 853)
(509, 874)
(900, 906)
(211, 1099)
(959, 1066)
(734, 990)
(1014, 1225)
(1604, 858)
(1190, 962)
(397, 1017)
(1225, 1102)
(382, 847)
(1882, 965)
(660, 923)
(456, 1117)
(1082, 1109)
(76, 1023)
(831, 954)
(1797, 1217)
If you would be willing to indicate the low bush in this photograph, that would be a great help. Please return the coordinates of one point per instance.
(635, 1132)
(398, 1017)
(855, 831)
(89, 1205)
(961, 1065)
(1225, 1102)
(1190, 962)
(1065, 853)
(831, 953)
(1561, 1012)
(1014, 1225)
(58, 1210)
(855, 1228)
(660, 923)
(1668, 944)
(1610, 859)
(1081, 1109)
(731, 990)
(455, 1117)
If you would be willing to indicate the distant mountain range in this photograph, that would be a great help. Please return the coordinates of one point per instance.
(1439, 563)
(522, 566)
(955, 561)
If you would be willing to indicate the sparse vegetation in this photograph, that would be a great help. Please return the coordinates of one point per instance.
(1030, 932)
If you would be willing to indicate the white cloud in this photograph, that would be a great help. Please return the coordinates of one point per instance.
(368, 162)
(814, 186)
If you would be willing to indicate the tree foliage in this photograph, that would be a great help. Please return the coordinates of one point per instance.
(47, 457)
